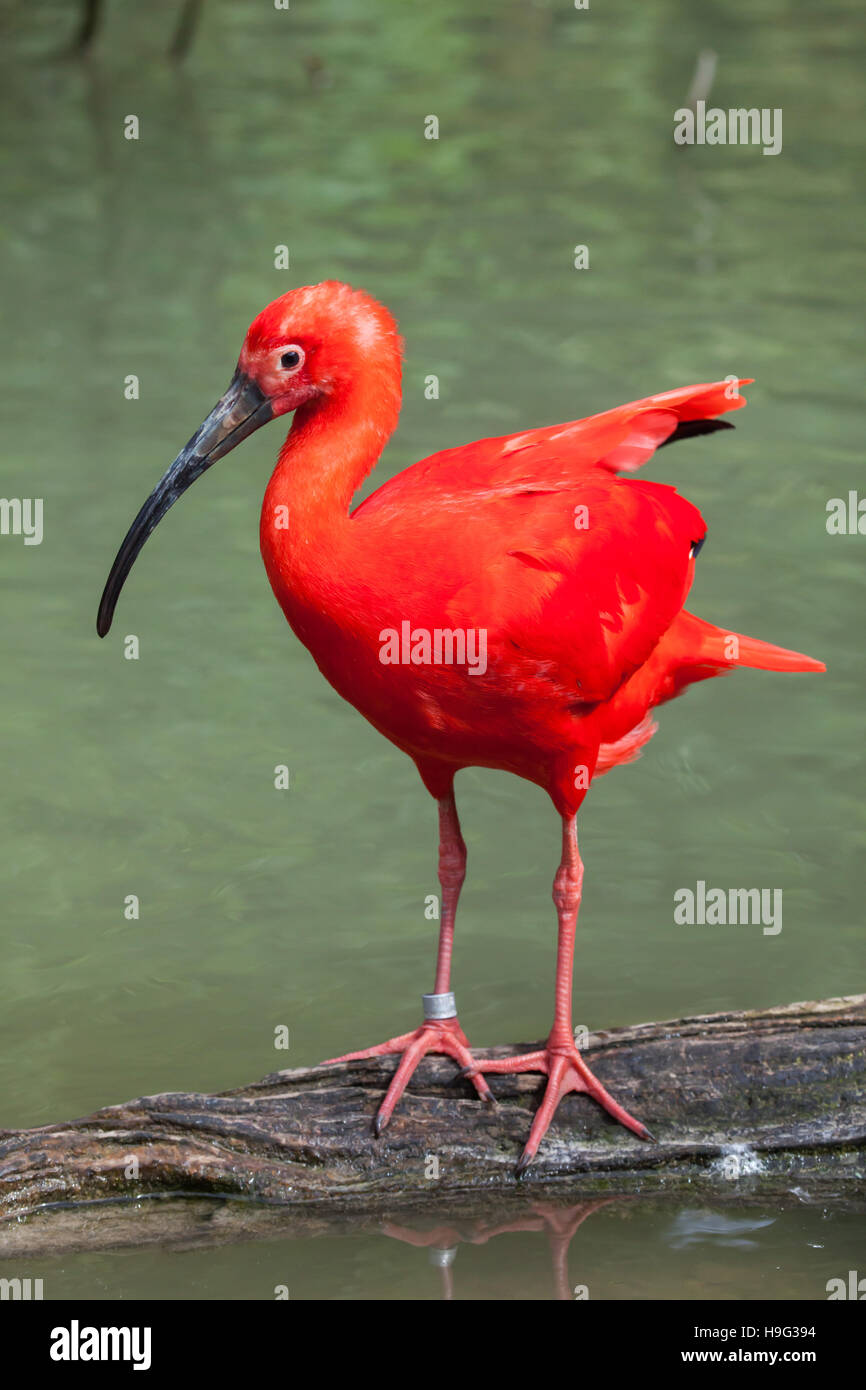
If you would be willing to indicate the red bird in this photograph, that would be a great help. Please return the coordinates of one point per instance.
(511, 603)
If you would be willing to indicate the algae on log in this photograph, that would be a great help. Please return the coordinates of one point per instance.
(762, 1102)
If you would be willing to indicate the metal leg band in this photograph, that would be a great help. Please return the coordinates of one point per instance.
(439, 1006)
(443, 1259)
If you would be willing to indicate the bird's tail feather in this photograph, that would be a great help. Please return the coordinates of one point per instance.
(699, 644)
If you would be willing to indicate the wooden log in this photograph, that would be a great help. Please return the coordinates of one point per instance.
(743, 1104)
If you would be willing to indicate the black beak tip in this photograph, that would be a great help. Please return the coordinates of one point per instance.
(105, 614)
(240, 411)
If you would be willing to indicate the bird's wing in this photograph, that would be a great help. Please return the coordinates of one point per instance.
(618, 441)
(574, 573)
(581, 583)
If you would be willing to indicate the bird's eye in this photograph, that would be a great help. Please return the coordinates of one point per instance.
(292, 359)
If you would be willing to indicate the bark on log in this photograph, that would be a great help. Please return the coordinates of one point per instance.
(769, 1102)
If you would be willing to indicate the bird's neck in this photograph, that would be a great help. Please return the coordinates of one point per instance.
(334, 442)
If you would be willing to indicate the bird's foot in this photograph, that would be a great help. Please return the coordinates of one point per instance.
(566, 1071)
(443, 1035)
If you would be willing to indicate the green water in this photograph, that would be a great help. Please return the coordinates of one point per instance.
(155, 777)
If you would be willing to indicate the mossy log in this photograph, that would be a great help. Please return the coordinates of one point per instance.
(766, 1102)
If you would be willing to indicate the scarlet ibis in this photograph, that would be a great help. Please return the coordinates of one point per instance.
(512, 603)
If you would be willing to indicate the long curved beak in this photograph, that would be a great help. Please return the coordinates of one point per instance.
(242, 409)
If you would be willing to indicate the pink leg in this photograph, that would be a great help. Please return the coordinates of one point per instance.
(442, 1034)
(452, 872)
(559, 1059)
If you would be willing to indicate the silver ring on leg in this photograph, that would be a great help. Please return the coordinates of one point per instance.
(439, 1006)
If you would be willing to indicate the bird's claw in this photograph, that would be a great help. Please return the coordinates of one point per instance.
(441, 1035)
(566, 1071)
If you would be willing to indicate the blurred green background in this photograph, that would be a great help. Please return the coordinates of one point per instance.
(155, 777)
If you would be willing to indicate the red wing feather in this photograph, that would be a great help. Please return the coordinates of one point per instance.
(618, 440)
(574, 573)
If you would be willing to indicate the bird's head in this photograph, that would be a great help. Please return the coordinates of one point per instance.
(313, 341)
(311, 344)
